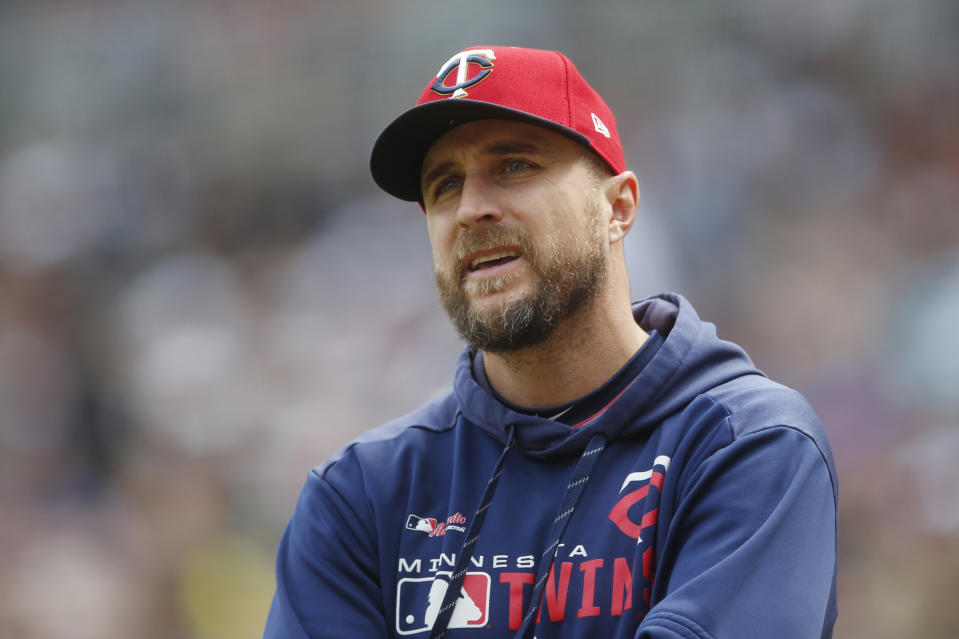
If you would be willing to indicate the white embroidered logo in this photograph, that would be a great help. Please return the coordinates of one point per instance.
(599, 126)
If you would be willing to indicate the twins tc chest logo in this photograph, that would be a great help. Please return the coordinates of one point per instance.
(647, 479)
(482, 58)
(418, 602)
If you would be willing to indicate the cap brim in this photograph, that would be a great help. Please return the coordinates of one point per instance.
(398, 153)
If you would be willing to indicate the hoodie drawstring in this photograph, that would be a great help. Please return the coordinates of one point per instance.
(573, 491)
(466, 552)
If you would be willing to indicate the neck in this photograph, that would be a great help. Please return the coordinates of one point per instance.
(578, 357)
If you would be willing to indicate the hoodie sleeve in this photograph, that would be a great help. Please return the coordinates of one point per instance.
(754, 552)
(327, 582)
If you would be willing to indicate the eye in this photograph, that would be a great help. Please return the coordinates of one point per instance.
(444, 186)
(516, 166)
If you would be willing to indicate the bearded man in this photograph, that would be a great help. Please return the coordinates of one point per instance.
(602, 468)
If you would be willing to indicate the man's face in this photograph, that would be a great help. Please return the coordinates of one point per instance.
(520, 242)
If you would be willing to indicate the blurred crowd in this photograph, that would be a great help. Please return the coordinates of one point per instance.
(203, 295)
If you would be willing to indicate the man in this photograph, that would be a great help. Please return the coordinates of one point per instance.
(601, 468)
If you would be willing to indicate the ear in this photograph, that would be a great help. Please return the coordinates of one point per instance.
(622, 192)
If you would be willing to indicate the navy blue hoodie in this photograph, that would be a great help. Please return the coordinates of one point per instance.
(711, 513)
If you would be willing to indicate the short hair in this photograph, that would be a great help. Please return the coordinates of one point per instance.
(597, 167)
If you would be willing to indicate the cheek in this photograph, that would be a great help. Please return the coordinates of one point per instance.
(559, 216)
(434, 232)
(442, 250)
(438, 260)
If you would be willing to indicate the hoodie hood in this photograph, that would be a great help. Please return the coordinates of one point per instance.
(691, 361)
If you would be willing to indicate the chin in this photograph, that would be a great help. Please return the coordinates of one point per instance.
(493, 302)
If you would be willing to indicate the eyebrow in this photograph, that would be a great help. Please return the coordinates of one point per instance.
(505, 148)
(494, 148)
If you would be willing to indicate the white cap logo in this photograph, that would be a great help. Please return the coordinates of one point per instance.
(599, 126)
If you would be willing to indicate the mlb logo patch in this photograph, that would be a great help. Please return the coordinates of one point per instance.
(422, 524)
(418, 601)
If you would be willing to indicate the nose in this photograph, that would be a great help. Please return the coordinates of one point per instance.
(477, 204)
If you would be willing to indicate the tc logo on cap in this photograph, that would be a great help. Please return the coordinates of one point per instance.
(461, 62)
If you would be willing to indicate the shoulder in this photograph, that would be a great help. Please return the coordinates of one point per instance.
(750, 409)
(345, 487)
(407, 433)
(759, 411)
(754, 403)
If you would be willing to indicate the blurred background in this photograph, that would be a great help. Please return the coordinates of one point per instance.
(203, 294)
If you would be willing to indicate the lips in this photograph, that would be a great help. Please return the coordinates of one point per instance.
(490, 258)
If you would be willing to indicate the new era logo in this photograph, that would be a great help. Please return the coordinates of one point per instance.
(599, 126)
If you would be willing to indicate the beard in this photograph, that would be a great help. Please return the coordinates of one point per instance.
(567, 273)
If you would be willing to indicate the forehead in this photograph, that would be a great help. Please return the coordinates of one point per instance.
(496, 137)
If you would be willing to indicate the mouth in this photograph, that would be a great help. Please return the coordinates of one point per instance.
(489, 259)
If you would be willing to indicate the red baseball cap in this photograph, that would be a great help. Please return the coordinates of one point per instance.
(479, 83)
